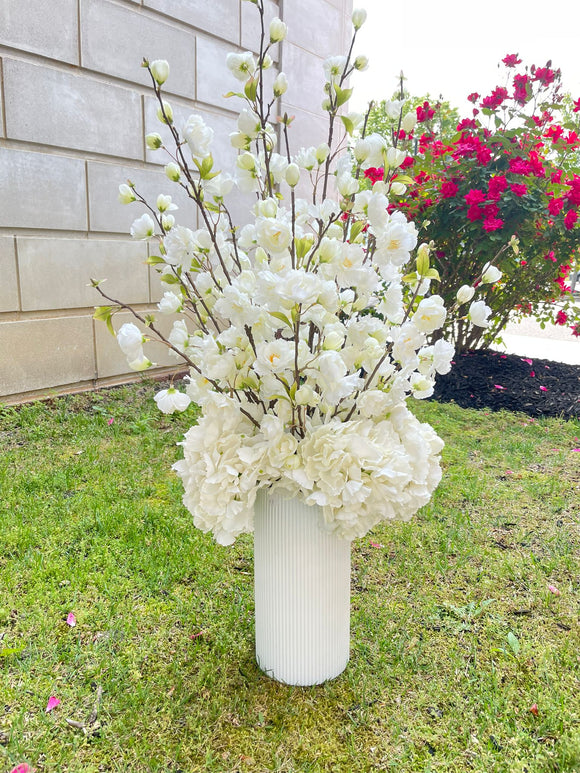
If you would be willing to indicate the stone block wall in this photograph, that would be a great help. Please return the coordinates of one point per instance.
(74, 108)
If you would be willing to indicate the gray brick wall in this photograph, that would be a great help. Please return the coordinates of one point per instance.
(74, 108)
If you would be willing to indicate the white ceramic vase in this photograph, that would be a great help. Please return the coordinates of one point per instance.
(302, 592)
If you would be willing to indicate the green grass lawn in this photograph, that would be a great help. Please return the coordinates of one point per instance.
(456, 633)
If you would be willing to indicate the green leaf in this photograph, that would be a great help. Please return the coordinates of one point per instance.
(154, 260)
(355, 230)
(342, 95)
(422, 262)
(105, 314)
(206, 167)
(410, 278)
(281, 317)
(302, 247)
(513, 642)
(169, 279)
(433, 274)
(348, 124)
(251, 89)
(233, 94)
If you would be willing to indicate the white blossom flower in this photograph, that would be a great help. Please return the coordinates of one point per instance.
(126, 194)
(430, 314)
(334, 68)
(171, 400)
(490, 274)
(277, 30)
(143, 227)
(159, 70)
(359, 16)
(130, 340)
(197, 135)
(242, 66)
(280, 85)
(170, 303)
(479, 313)
(465, 294)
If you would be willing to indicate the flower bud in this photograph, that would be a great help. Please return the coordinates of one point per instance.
(159, 70)
(167, 221)
(173, 172)
(362, 150)
(361, 62)
(359, 16)
(490, 274)
(292, 175)
(164, 203)
(267, 62)
(399, 189)
(165, 114)
(280, 84)
(126, 195)
(322, 152)
(277, 30)
(465, 294)
(395, 157)
(409, 121)
(154, 141)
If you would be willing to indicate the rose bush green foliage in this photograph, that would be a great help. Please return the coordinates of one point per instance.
(504, 186)
(306, 329)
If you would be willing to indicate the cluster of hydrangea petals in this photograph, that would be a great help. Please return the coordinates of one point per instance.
(306, 329)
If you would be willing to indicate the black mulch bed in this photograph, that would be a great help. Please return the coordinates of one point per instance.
(487, 379)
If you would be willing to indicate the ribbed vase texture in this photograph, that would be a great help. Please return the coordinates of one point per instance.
(302, 592)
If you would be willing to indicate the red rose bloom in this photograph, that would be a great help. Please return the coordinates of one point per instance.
(521, 89)
(520, 166)
(545, 75)
(424, 112)
(519, 189)
(474, 213)
(474, 96)
(561, 318)
(555, 206)
(496, 186)
(374, 174)
(511, 60)
(554, 133)
(409, 161)
(570, 219)
(474, 196)
(492, 224)
(577, 106)
(449, 189)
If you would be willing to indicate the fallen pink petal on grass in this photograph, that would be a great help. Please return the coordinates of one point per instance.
(375, 544)
(527, 359)
(544, 389)
(53, 702)
(532, 374)
(110, 421)
(509, 472)
(576, 449)
(22, 768)
(554, 590)
(534, 709)
(71, 619)
(498, 386)
(197, 635)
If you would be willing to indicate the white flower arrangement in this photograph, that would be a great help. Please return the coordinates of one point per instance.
(306, 330)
